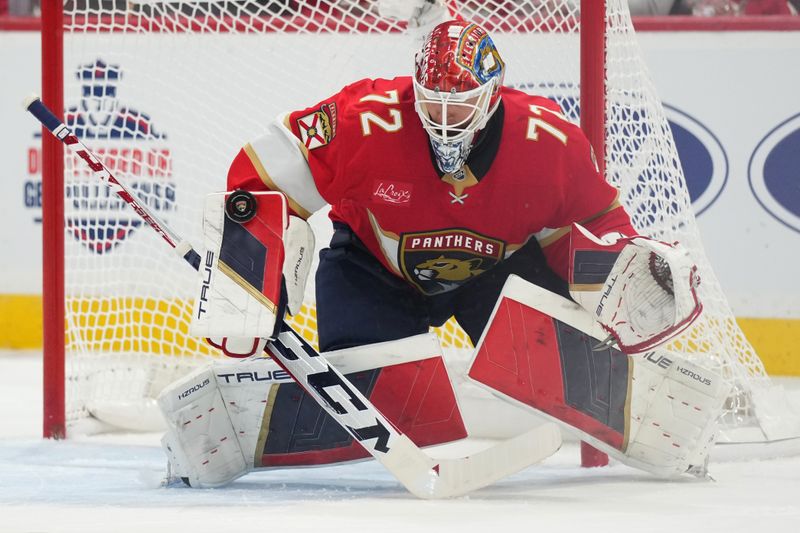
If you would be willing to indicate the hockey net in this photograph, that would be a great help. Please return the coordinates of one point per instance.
(167, 93)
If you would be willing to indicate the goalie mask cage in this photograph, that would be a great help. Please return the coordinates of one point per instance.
(167, 92)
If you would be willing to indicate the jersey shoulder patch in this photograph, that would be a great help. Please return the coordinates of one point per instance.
(342, 113)
(318, 128)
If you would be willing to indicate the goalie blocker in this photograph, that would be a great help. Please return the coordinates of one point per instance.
(655, 411)
(255, 266)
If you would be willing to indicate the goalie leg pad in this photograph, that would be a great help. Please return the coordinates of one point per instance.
(275, 423)
(405, 379)
(200, 443)
(216, 419)
(655, 412)
(674, 409)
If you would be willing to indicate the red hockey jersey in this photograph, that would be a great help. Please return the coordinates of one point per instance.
(530, 177)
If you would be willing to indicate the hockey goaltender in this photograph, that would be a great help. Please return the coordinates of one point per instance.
(451, 196)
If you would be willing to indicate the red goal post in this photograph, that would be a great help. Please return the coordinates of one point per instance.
(151, 82)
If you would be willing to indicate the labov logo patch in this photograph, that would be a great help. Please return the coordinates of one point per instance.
(392, 192)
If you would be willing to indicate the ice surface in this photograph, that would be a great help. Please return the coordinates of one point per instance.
(110, 483)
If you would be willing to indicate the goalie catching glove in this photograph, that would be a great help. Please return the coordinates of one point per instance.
(643, 292)
(255, 266)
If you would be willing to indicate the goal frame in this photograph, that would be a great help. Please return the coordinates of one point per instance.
(53, 299)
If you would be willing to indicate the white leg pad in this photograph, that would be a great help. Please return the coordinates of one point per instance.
(675, 405)
(216, 415)
(200, 442)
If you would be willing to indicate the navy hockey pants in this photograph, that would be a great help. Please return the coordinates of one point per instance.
(360, 302)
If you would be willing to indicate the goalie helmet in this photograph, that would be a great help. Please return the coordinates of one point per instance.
(457, 83)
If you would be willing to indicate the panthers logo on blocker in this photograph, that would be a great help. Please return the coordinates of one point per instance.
(440, 261)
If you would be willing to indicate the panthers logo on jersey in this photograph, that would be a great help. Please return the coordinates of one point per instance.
(440, 261)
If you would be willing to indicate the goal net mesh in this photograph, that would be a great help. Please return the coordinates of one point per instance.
(167, 92)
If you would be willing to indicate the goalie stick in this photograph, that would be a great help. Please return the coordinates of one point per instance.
(423, 475)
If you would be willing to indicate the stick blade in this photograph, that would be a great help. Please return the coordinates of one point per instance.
(455, 477)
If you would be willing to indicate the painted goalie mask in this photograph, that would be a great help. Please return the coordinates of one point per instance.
(457, 83)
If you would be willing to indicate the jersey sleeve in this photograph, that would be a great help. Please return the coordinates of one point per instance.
(300, 154)
(330, 137)
(274, 162)
(585, 197)
(242, 174)
(303, 152)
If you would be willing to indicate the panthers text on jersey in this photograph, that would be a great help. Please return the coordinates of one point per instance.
(530, 175)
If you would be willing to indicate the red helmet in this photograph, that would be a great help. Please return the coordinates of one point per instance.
(460, 68)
